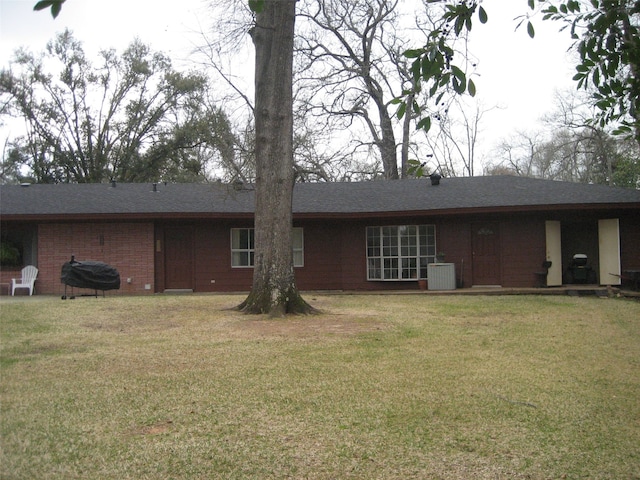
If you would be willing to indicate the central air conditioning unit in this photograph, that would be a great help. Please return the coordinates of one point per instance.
(441, 276)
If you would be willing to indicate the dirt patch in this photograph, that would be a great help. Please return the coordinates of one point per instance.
(132, 325)
(308, 326)
(155, 429)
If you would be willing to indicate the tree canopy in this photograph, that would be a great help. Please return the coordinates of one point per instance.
(606, 44)
(129, 117)
(606, 38)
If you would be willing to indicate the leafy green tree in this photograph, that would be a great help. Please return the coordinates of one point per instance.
(606, 34)
(627, 171)
(10, 169)
(129, 118)
(608, 43)
(54, 5)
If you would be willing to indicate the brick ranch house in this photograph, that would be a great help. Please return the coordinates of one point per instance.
(348, 236)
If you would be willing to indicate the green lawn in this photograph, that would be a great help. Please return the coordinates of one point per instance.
(374, 387)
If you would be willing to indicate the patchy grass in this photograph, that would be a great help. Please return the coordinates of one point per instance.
(380, 387)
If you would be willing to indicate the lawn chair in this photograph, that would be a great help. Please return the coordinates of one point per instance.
(28, 280)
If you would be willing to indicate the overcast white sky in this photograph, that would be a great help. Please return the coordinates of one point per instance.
(518, 73)
(515, 72)
(168, 25)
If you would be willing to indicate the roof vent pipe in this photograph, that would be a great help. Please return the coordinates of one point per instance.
(113, 183)
(155, 187)
(435, 178)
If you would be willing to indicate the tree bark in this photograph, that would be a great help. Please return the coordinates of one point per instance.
(274, 289)
(387, 144)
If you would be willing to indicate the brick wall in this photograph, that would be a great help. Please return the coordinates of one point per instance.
(6, 274)
(126, 246)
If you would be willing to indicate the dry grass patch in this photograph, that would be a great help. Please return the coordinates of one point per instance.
(374, 387)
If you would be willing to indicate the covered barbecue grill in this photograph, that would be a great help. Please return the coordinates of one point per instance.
(89, 274)
(579, 270)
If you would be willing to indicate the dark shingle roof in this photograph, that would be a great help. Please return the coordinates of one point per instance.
(410, 195)
(128, 198)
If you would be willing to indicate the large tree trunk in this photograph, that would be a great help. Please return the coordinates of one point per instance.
(274, 290)
(387, 145)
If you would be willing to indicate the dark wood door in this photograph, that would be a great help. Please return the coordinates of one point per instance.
(486, 254)
(178, 257)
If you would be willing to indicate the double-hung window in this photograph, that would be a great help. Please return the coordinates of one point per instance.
(298, 247)
(400, 252)
(243, 247)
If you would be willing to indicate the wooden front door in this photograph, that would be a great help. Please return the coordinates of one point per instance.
(178, 258)
(486, 254)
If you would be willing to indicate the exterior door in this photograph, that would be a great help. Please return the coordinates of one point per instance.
(554, 252)
(486, 254)
(178, 258)
(609, 251)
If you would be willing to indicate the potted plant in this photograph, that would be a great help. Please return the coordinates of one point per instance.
(9, 254)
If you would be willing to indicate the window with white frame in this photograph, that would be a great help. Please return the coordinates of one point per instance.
(243, 247)
(298, 247)
(400, 252)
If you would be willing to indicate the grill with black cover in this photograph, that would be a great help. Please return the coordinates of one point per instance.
(89, 274)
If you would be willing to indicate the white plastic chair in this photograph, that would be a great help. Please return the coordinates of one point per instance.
(28, 280)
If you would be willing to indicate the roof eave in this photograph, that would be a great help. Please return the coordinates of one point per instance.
(153, 216)
(110, 217)
(472, 210)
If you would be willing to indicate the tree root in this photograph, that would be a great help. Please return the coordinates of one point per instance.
(290, 304)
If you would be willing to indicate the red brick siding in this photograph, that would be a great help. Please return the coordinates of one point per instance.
(207, 256)
(323, 268)
(125, 246)
(324, 265)
(353, 258)
(334, 253)
(523, 251)
(453, 238)
(6, 274)
(214, 272)
(630, 242)
(336, 258)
